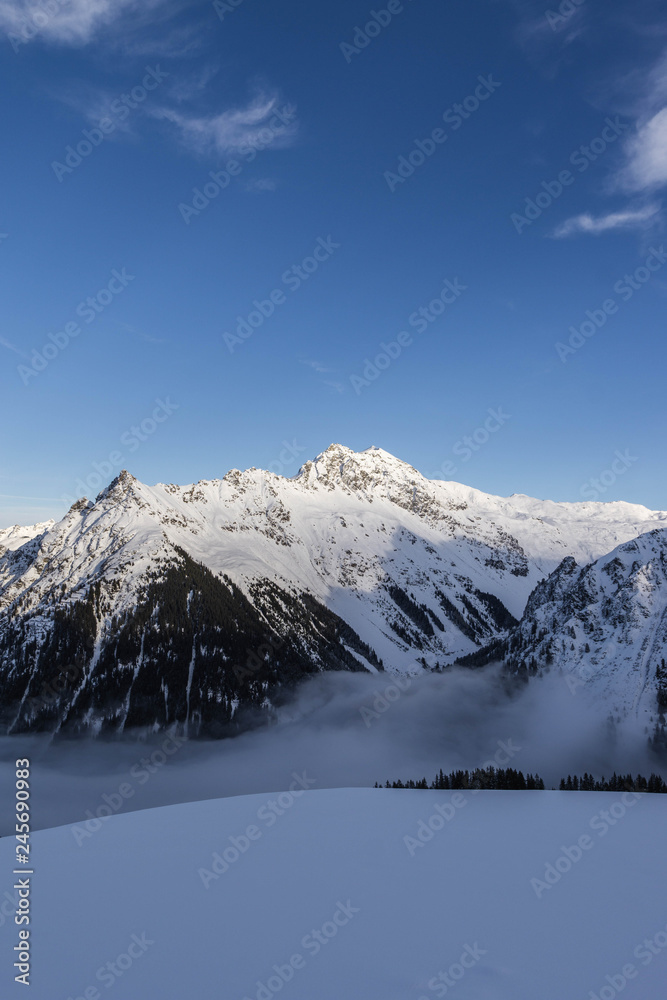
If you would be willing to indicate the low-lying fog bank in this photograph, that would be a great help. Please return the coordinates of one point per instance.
(340, 730)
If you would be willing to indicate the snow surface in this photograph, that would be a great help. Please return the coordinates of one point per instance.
(606, 626)
(16, 536)
(469, 885)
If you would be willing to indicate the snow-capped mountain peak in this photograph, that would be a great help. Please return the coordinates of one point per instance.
(358, 561)
(17, 535)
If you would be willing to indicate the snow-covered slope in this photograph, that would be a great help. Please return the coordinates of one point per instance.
(320, 896)
(16, 536)
(604, 626)
(357, 549)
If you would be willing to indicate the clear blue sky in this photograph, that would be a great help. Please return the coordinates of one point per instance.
(315, 117)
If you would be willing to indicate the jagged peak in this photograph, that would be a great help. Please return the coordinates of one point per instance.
(123, 482)
(81, 504)
(339, 462)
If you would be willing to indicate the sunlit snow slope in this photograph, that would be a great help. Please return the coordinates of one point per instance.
(165, 594)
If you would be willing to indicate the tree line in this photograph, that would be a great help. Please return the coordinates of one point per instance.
(489, 777)
(511, 780)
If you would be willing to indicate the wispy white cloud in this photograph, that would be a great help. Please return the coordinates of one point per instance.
(70, 22)
(94, 103)
(540, 28)
(653, 87)
(642, 96)
(641, 166)
(544, 37)
(259, 184)
(627, 219)
(322, 369)
(317, 366)
(140, 26)
(185, 41)
(192, 86)
(646, 153)
(262, 122)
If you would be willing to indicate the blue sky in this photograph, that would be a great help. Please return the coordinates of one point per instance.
(160, 319)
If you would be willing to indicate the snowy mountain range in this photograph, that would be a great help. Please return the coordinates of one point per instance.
(155, 605)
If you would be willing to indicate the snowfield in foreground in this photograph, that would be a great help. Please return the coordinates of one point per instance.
(351, 893)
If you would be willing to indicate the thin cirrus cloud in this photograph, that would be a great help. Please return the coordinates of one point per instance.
(95, 103)
(586, 223)
(142, 27)
(259, 184)
(643, 170)
(317, 366)
(646, 151)
(255, 125)
(322, 369)
(72, 22)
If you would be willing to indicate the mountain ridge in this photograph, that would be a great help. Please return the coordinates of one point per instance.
(402, 572)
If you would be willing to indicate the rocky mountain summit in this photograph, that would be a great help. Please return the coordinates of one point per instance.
(153, 606)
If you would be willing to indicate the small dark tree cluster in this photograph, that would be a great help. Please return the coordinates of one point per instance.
(489, 777)
(417, 613)
(497, 610)
(617, 783)
(661, 677)
(455, 616)
(509, 779)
